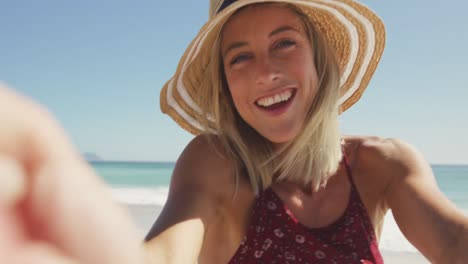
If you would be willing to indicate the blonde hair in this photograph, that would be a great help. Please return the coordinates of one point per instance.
(312, 157)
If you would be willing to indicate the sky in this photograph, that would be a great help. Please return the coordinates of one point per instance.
(98, 66)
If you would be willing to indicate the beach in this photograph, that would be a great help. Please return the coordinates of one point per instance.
(145, 215)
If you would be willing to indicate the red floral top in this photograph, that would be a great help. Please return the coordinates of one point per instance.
(275, 236)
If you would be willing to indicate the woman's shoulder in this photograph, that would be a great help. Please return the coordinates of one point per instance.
(205, 166)
(386, 159)
(387, 153)
(379, 165)
(205, 149)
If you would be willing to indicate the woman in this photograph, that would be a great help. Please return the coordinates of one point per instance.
(296, 181)
(269, 178)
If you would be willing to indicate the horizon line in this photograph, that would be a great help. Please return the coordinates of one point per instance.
(174, 161)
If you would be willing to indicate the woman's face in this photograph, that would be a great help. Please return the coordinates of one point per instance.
(270, 71)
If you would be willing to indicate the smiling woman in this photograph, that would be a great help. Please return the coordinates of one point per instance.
(278, 58)
(270, 178)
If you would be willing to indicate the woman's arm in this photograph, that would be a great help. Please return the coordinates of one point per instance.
(425, 216)
(196, 196)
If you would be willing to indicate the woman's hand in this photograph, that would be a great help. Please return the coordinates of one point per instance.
(53, 208)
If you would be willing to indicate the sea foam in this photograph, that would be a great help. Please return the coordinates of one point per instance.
(141, 196)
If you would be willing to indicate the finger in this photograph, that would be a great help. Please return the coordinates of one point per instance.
(39, 253)
(12, 232)
(12, 181)
(12, 190)
(89, 218)
(28, 132)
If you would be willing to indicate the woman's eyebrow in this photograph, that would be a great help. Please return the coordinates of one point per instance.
(282, 29)
(234, 45)
(240, 44)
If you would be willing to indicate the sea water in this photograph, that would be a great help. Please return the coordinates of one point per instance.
(147, 183)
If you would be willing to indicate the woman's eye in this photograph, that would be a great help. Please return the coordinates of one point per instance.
(240, 58)
(285, 43)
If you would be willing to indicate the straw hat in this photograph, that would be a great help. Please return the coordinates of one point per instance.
(355, 33)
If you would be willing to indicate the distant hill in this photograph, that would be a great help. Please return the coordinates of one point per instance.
(89, 156)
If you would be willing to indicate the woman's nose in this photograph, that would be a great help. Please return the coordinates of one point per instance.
(266, 71)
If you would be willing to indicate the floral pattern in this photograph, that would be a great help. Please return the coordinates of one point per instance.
(275, 236)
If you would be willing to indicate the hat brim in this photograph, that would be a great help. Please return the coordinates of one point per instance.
(352, 30)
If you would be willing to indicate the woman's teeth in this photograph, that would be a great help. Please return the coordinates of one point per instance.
(277, 98)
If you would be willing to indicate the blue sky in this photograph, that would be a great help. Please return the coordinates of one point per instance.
(99, 66)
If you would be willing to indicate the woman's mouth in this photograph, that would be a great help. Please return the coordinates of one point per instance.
(278, 103)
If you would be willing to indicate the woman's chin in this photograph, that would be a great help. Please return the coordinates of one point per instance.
(280, 134)
(279, 139)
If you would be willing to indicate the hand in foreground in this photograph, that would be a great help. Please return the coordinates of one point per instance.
(53, 208)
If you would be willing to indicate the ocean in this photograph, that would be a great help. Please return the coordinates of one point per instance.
(147, 183)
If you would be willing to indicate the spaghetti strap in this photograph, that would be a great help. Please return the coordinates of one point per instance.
(348, 170)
